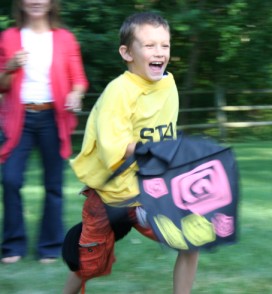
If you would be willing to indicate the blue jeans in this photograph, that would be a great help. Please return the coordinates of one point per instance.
(40, 131)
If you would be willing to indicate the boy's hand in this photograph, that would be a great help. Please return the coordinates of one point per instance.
(130, 150)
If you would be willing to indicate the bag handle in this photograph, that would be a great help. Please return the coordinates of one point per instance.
(125, 165)
(132, 158)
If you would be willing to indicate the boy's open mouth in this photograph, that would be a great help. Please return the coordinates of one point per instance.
(156, 65)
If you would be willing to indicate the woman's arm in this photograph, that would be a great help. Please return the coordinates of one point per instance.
(14, 64)
(77, 76)
(5, 80)
(74, 98)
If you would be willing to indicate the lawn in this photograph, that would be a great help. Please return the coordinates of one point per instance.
(143, 266)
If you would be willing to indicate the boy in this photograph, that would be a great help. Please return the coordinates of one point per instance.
(138, 106)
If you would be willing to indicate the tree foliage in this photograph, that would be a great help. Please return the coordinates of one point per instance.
(214, 42)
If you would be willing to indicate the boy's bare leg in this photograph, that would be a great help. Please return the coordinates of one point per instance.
(72, 285)
(184, 272)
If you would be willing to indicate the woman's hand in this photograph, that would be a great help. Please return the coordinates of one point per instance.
(17, 61)
(74, 101)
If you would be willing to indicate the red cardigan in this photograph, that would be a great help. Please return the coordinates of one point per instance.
(66, 71)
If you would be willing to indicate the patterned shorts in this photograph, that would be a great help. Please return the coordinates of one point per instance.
(102, 226)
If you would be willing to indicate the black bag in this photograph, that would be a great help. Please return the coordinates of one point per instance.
(189, 189)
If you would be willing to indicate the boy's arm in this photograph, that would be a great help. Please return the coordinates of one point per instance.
(113, 126)
(130, 150)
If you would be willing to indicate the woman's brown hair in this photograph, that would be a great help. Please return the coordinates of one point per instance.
(20, 16)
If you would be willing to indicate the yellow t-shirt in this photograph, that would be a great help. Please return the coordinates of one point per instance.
(130, 109)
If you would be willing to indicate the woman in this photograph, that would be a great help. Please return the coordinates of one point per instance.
(43, 81)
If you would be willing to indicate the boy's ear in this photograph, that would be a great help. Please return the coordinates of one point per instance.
(124, 52)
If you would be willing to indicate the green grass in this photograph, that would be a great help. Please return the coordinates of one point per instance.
(143, 267)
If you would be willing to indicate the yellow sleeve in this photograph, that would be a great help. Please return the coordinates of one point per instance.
(113, 125)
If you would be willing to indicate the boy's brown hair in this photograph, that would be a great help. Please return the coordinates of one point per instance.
(126, 33)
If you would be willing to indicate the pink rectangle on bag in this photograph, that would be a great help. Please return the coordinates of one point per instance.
(203, 189)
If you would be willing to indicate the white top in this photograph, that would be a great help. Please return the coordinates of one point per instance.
(36, 86)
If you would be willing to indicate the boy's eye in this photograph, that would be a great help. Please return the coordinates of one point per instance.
(149, 45)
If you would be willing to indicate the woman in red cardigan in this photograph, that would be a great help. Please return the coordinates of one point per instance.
(43, 81)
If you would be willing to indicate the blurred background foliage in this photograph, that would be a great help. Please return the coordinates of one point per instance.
(215, 43)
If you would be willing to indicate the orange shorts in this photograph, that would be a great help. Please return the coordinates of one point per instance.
(96, 244)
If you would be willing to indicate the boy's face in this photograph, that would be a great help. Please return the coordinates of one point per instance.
(149, 53)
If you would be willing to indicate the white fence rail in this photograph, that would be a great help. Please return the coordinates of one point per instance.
(221, 109)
